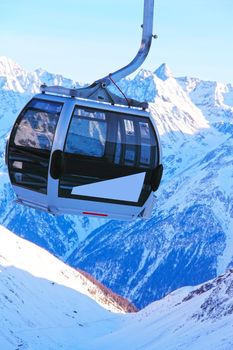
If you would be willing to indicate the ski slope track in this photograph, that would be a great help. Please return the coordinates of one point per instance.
(45, 304)
(188, 240)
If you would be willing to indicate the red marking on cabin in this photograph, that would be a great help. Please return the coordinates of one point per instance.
(90, 213)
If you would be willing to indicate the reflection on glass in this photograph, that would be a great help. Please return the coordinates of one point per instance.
(86, 113)
(129, 127)
(118, 145)
(130, 155)
(46, 106)
(145, 154)
(144, 130)
(36, 129)
(86, 137)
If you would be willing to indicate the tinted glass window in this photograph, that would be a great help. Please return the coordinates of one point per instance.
(36, 129)
(121, 139)
(146, 139)
(131, 141)
(118, 148)
(31, 143)
(46, 106)
(87, 134)
(88, 113)
(37, 124)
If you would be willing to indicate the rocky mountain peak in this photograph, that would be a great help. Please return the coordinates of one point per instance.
(9, 67)
(163, 72)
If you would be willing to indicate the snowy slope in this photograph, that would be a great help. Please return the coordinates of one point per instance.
(43, 300)
(45, 304)
(198, 318)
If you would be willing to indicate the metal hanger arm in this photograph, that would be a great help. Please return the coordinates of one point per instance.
(147, 35)
(98, 90)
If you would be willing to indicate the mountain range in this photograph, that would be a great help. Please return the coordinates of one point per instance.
(188, 239)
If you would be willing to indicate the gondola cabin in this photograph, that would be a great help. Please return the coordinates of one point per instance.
(73, 156)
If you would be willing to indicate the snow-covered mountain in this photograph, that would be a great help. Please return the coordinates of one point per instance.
(188, 240)
(189, 318)
(45, 304)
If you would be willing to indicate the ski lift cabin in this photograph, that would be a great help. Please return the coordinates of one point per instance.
(68, 155)
(88, 151)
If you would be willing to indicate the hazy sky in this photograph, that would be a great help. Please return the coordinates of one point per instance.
(87, 39)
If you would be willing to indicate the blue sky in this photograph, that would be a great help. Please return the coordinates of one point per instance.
(87, 39)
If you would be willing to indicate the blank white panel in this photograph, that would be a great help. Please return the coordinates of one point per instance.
(126, 188)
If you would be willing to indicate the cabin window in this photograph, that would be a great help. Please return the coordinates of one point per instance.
(31, 144)
(87, 134)
(36, 126)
